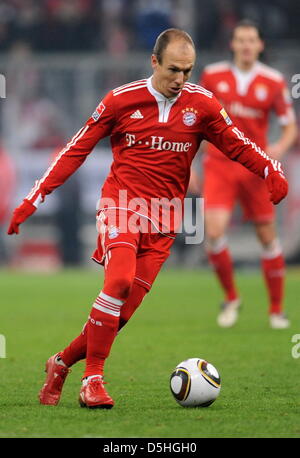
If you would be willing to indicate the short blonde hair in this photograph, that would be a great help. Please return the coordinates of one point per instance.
(164, 39)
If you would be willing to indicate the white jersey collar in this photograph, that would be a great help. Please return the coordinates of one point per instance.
(158, 95)
(244, 78)
(164, 104)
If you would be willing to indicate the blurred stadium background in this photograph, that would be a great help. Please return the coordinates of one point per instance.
(59, 57)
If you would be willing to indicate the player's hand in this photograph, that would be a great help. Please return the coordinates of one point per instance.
(277, 185)
(20, 214)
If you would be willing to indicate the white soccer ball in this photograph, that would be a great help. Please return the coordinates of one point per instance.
(195, 383)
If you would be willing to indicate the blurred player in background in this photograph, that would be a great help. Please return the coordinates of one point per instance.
(249, 91)
(155, 126)
(7, 190)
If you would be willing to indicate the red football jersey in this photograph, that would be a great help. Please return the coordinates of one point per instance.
(153, 140)
(249, 97)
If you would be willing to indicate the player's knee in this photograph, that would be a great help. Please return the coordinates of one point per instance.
(119, 272)
(272, 249)
(214, 230)
(216, 244)
(118, 287)
(266, 234)
(123, 286)
(216, 224)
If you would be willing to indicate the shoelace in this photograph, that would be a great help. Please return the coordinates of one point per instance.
(96, 384)
(64, 371)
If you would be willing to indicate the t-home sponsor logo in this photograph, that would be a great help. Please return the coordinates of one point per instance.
(159, 143)
(2, 346)
(2, 86)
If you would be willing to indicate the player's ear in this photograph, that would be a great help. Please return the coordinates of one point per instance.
(262, 46)
(154, 61)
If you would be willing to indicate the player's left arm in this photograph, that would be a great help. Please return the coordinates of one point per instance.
(220, 131)
(284, 110)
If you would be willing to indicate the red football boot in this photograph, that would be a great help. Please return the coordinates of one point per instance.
(93, 394)
(52, 388)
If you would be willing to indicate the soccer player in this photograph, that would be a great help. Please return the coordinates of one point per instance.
(155, 126)
(249, 90)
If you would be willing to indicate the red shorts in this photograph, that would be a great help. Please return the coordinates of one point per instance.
(152, 249)
(227, 182)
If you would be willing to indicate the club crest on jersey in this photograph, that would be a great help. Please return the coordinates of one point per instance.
(98, 112)
(226, 117)
(189, 116)
(261, 92)
(113, 232)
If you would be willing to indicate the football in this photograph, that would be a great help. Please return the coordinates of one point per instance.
(195, 383)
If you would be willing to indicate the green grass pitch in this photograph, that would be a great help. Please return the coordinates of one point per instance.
(259, 397)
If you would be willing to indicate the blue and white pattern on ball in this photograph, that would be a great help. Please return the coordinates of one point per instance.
(195, 383)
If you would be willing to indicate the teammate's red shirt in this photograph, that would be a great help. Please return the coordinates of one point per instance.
(249, 98)
(154, 140)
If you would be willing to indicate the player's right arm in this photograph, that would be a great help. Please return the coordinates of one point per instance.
(67, 161)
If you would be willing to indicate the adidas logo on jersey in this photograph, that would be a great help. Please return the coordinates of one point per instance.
(137, 115)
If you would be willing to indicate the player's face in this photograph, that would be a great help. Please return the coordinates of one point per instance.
(246, 46)
(175, 68)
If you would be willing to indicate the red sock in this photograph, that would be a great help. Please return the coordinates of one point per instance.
(135, 298)
(223, 266)
(102, 329)
(76, 350)
(103, 322)
(274, 274)
(98, 334)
